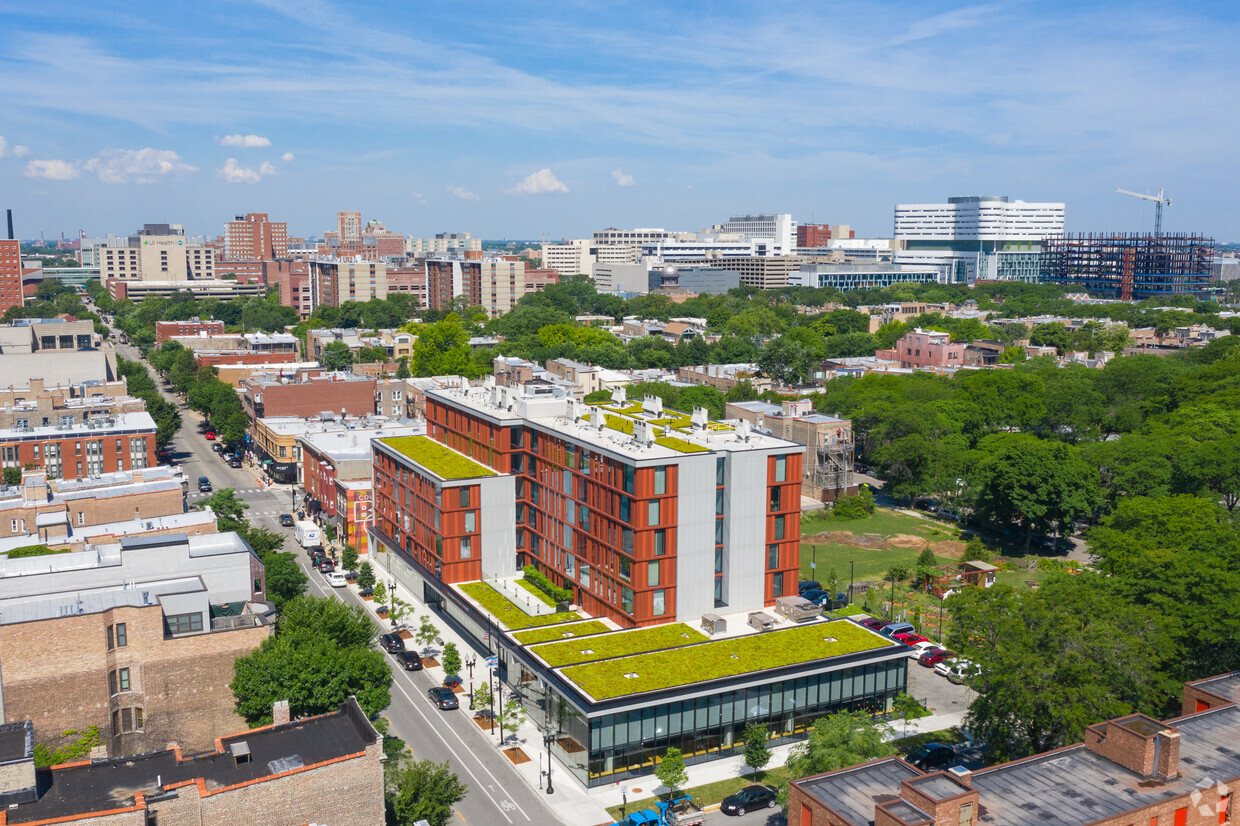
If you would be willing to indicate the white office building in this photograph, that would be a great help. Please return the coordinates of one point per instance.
(780, 229)
(977, 237)
(569, 258)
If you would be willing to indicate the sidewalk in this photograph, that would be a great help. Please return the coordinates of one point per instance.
(572, 804)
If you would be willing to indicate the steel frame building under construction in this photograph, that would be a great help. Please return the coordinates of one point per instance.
(1130, 266)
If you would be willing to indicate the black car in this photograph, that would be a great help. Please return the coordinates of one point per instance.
(325, 566)
(809, 585)
(830, 602)
(814, 594)
(234, 462)
(931, 756)
(286, 520)
(443, 698)
(204, 484)
(748, 799)
(392, 643)
(410, 660)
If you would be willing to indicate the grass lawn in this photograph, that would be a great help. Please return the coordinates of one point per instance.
(504, 611)
(871, 563)
(561, 632)
(885, 522)
(620, 644)
(711, 794)
(947, 736)
(720, 658)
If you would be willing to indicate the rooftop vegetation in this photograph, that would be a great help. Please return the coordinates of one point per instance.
(620, 644)
(34, 550)
(561, 632)
(721, 658)
(506, 612)
(681, 445)
(439, 459)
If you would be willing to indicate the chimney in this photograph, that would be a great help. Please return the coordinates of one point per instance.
(1139, 743)
(1167, 754)
(962, 776)
(280, 714)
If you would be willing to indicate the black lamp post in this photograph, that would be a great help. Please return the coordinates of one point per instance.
(491, 701)
(548, 739)
(470, 665)
(499, 703)
(851, 568)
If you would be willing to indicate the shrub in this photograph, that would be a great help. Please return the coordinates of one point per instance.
(536, 578)
(976, 551)
(854, 507)
(34, 550)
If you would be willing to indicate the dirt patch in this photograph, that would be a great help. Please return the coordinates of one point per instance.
(430, 662)
(904, 540)
(573, 747)
(484, 723)
(405, 634)
(952, 549)
(866, 540)
(516, 755)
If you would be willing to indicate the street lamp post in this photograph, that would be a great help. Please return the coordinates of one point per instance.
(548, 739)
(491, 700)
(851, 568)
(470, 665)
(499, 703)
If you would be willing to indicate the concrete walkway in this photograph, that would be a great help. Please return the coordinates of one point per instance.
(520, 597)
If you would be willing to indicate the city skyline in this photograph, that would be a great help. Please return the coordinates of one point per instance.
(567, 120)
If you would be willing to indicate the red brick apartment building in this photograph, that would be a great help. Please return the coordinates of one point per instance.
(165, 330)
(10, 274)
(925, 348)
(254, 237)
(124, 441)
(643, 528)
(263, 396)
(325, 769)
(1130, 771)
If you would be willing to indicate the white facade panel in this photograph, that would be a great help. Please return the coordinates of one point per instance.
(695, 536)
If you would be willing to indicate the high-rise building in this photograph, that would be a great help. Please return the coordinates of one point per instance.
(10, 274)
(495, 283)
(333, 281)
(810, 236)
(642, 528)
(569, 258)
(781, 229)
(349, 226)
(443, 242)
(976, 237)
(253, 237)
(158, 252)
(1130, 266)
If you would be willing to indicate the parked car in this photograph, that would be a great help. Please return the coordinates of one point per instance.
(957, 670)
(410, 660)
(874, 624)
(809, 585)
(325, 566)
(922, 647)
(933, 657)
(286, 520)
(909, 638)
(217, 447)
(204, 484)
(814, 594)
(210, 434)
(831, 602)
(392, 643)
(931, 756)
(336, 579)
(234, 462)
(748, 799)
(442, 698)
(891, 629)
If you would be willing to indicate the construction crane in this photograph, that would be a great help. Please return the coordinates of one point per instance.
(1159, 203)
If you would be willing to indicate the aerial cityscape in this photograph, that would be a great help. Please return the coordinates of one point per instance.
(643, 416)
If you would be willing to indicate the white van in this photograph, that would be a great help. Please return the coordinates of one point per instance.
(308, 535)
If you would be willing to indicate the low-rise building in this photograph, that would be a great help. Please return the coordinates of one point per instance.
(926, 349)
(828, 467)
(194, 327)
(342, 393)
(861, 276)
(324, 769)
(723, 377)
(276, 445)
(125, 441)
(137, 638)
(36, 404)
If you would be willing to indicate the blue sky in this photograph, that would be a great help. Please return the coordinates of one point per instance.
(559, 118)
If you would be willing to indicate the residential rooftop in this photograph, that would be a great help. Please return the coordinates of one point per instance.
(120, 423)
(1226, 686)
(439, 459)
(79, 535)
(345, 445)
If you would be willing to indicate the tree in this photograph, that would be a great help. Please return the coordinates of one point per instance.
(975, 549)
(757, 749)
(927, 558)
(511, 716)
(336, 356)
(285, 578)
(671, 770)
(348, 558)
(12, 476)
(483, 695)
(427, 633)
(451, 660)
(228, 509)
(366, 576)
(326, 618)
(598, 397)
(423, 790)
(1055, 660)
(380, 591)
(843, 739)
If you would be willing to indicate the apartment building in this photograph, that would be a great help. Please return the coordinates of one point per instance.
(11, 274)
(333, 281)
(926, 348)
(723, 377)
(293, 280)
(410, 281)
(255, 237)
(342, 393)
(157, 254)
(643, 528)
(323, 769)
(828, 466)
(194, 327)
(1133, 769)
(136, 637)
(275, 442)
(35, 404)
(443, 242)
(494, 283)
(125, 441)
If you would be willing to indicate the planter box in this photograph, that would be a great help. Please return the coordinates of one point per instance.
(516, 755)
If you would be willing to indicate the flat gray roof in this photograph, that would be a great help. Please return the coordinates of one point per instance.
(1225, 685)
(854, 792)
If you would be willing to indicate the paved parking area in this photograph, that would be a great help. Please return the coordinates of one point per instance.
(935, 692)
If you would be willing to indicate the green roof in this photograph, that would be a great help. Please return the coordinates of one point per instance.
(675, 443)
(620, 644)
(561, 632)
(506, 612)
(440, 460)
(730, 657)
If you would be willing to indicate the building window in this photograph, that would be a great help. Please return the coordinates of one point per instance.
(117, 636)
(625, 569)
(719, 503)
(471, 520)
(660, 480)
(774, 499)
(183, 623)
(628, 478)
(777, 584)
(781, 468)
(658, 603)
(653, 512)
(779, 526)
(660, 542)
(467, 547)
(464, 497)
(772, 557)
(626, 600)
(118, 680)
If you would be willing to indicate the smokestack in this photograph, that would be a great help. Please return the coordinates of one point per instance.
(10, 224)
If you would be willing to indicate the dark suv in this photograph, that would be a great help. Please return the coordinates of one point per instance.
(410, 660)
(392, 643)
(932, 756)
(204, 484)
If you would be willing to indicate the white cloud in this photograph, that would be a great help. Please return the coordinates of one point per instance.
(539, 183)
(622, 179)
(20, 151)
(237, 174)
(248, 141)
(419, 197)
(4, 147)
(267, 168)
(463, 193)
(120, 166)
(286, 157)
(52, 170)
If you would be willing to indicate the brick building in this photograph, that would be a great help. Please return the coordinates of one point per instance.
(254, 236)
(828, 466)
(293, 280)
(1131, 770)
(325, 769)
(137, 638)
(336, 392)
(495, 283)
(125, 441)
(10, 274)
(333, 281)
(925, 348)
(196, 327)
(36, 404)
(821, 235)
(643, 526)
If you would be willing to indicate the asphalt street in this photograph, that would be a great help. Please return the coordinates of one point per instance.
(497, 795)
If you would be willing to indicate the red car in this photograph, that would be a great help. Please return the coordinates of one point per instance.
(210, 434)
(875, 624)
(933, 657)
(909, 638)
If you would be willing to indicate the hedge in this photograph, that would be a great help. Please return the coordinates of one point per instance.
(34, 550)
(620, 644)
(504, 611)
(561, 632)
(714, 660)
(539, 580)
